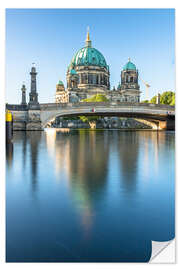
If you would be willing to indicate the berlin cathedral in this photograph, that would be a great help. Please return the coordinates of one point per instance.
(88, 74)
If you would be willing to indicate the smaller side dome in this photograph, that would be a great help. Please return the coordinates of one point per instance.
(60, 82)
(73, 72)
(60, 86)
(129, 66)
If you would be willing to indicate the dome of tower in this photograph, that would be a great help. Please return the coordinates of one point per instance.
(60, 86)
(129, 66)
(88, 56)
(60, 82)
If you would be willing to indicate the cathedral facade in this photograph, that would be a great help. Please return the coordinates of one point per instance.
(88, 74)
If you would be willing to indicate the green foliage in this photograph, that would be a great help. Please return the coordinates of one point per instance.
(96, 98)
(153, 100)
(145, 101)
(168, 98)
(173, 101)
(89, 118)
(70, 118)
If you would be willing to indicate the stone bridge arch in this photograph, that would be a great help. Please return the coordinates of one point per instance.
(154, 116)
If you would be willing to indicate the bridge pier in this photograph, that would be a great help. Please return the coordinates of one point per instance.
(34, 120)
(159, 125)
(167, 125)
(26, 120)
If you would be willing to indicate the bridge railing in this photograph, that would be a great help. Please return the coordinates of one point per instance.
(47, 106)
(54, 106)
(16, 107)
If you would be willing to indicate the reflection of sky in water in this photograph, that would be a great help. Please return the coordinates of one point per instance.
(89, 195)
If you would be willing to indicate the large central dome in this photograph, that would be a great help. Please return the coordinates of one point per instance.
(88, 71)
(89, 56)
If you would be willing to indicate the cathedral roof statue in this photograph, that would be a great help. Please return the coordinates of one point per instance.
(119, 85)
(129, 66)
(89, 56)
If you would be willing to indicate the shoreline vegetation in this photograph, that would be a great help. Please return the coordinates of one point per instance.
(167, 98)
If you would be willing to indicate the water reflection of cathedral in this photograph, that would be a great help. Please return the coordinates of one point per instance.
(87, 154)
(81, 156)
(84, 159)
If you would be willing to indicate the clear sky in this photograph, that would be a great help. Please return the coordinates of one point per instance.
(50, 38)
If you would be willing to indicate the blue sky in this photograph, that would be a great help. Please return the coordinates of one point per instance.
(50, 38)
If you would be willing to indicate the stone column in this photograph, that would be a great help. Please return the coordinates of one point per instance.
(99, 78)
(158, 98)
(80, 78)
(23, 89)
(33, 95)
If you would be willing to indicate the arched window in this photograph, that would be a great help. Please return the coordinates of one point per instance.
(131, 79)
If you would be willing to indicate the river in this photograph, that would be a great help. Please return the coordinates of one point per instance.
(88, 195)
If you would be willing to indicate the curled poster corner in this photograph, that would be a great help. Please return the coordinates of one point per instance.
(163, 252)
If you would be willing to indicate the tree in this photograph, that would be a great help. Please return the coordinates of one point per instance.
(173, 100)
(153, 100)
(168, 98)
(145, 101)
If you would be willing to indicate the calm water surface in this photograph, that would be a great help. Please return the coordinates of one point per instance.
(88, 195)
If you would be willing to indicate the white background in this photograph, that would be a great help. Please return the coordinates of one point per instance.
(82, 4)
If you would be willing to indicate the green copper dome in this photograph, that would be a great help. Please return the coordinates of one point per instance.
(60, 82)
(88, 56)
(129, 66)
(73, 72)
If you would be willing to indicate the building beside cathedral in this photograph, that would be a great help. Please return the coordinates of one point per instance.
(129, 87)
(88, 74)
(62, 96)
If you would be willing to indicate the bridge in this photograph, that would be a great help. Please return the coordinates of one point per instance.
(27, 117)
